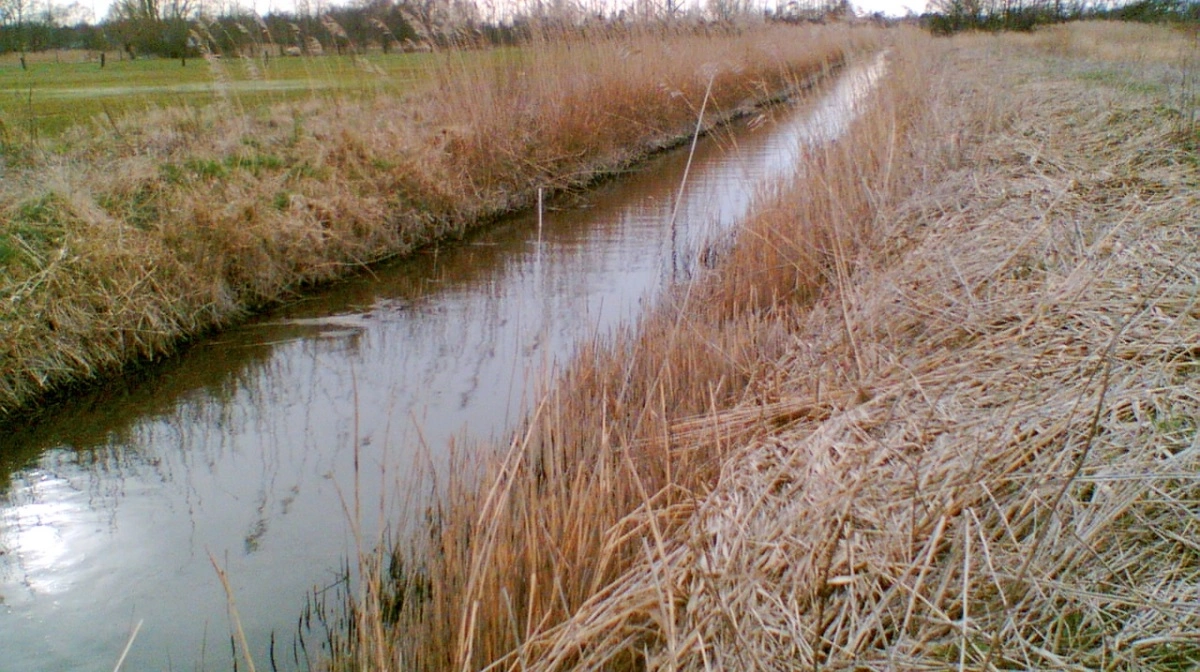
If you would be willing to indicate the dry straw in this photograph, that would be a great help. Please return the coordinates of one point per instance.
(946, 418)
(1014, 484)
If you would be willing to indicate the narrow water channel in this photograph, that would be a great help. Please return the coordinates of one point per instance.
(243, 449)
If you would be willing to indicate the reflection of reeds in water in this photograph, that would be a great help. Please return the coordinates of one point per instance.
(910, 421)
(600, 449)
(184, 219)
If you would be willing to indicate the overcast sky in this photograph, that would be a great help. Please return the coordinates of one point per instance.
(890, 7)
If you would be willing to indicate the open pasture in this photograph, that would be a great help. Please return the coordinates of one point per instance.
(57, 90)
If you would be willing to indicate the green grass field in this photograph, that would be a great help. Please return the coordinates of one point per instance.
(59, 90)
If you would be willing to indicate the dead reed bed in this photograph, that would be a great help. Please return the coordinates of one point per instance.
(1164, 62)
(123, 239)
(1113, 41)
(937, 409)
(509, 562)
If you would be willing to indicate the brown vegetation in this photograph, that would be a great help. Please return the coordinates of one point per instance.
(150, 229)
(938, 408)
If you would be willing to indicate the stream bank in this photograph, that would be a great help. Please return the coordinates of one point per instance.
(973, 440)
(246, 446)
(180, 222)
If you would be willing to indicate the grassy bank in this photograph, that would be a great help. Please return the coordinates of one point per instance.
(937, 408)
(122, 238)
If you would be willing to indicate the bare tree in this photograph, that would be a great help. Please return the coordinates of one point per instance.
(727, 10)
(157, 26)
(15, 14)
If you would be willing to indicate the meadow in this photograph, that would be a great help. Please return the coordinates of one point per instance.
(59, 90)
(936, 409)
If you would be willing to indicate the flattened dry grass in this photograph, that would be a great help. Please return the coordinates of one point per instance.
(938, 409)
(155, 228)
(1015, 483)
(1147, 59)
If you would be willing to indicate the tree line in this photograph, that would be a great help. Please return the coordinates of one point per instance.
(951, 16)
(181, 29)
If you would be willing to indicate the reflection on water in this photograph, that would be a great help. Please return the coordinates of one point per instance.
(244, 449)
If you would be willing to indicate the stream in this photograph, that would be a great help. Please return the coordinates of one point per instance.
(241, 451)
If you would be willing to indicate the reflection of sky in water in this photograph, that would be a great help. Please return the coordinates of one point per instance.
(245, 448)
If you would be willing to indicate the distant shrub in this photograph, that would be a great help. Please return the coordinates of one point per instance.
(954, 16)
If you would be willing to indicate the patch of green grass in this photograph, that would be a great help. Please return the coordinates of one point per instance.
(8, 251)
(51, 96)
(1188, 137)
(1175, 424)
(1175, 431)
(173, 173)
(306, 169)
(1123, 81)
(39, 211)
(255, 163)
(206, 169)
(141, 206)
(1180, 656)
(216, 169)
(33, 228)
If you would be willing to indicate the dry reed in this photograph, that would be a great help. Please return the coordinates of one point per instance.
(151, 229)
(938, 409)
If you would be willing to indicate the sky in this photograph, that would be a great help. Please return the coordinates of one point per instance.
(890, 7)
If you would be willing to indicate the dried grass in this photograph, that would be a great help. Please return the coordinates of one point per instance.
(508, 563)
(938, 409)
(1004, 474)
(169, 224)
(1115, 41)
